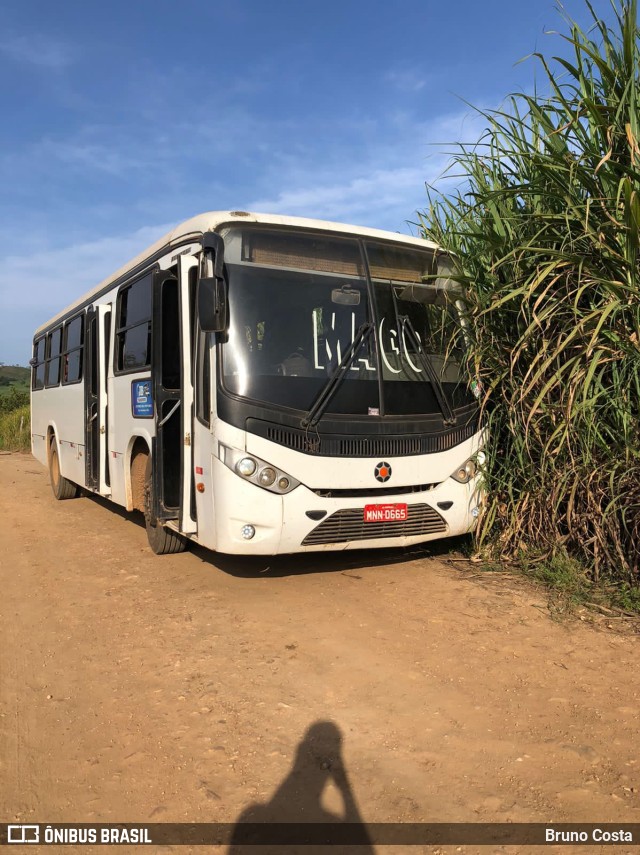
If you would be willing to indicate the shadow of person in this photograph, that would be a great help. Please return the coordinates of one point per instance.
(316, 785)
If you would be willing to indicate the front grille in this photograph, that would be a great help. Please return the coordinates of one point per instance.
(349, 445)
(374, 492)
(348, 524)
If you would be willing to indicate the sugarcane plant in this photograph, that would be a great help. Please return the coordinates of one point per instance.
(545, 230)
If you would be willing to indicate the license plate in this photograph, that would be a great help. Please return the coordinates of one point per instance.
(385, 513)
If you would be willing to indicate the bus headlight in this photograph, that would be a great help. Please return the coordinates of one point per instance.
(266, 476)
(466, 472)
(255, 470)
(246, 466)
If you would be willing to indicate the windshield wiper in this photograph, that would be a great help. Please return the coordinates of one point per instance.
(315, 413)
(438, 391)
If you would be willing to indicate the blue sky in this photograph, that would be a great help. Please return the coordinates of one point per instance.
(123, 119)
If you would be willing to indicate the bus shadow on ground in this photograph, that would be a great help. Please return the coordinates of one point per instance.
(303, 563)
(130, 516)
(338, 561)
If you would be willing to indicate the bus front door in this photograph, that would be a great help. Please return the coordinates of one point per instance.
(173, 395)
(188, 271)
(97, 329)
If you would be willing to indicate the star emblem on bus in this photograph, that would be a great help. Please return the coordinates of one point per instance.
(382, 472)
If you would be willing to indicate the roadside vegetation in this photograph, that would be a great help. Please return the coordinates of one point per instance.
(545, 227)
(13, 377)
(15, 425)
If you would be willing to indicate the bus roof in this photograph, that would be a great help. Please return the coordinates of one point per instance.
(195, 227)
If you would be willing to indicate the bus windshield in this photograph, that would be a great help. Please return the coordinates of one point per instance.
(296, 303)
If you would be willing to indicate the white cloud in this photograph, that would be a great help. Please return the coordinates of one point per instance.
(348, 196)
(36, 286)
(114, 160)
(406, 80)
(365, 183)
(38, 50)
(45, 282)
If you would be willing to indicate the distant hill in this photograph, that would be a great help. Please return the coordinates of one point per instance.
(14, 375)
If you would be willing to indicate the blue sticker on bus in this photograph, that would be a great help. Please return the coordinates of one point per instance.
(141, 399)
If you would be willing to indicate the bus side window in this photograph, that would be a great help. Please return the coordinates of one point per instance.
(133, 333)
(37, 381)
(72, 350)
(54, 343)
(171, 352)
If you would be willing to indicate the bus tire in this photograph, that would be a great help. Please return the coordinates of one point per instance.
(62, 488)
(162, 540)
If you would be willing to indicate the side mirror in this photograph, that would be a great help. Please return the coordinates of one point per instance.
(212, 304)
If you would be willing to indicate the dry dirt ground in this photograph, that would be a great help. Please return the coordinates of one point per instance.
(137, 688)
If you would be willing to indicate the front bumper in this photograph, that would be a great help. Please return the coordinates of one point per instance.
(282, 525)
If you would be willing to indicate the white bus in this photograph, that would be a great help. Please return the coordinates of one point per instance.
(266, 384)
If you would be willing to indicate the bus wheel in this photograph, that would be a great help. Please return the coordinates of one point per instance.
(61, 486)
(163, 541)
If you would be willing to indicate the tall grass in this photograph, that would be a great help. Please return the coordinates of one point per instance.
(546, 231)
(15, 430)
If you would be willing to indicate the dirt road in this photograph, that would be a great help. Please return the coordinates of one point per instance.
(136, 688)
